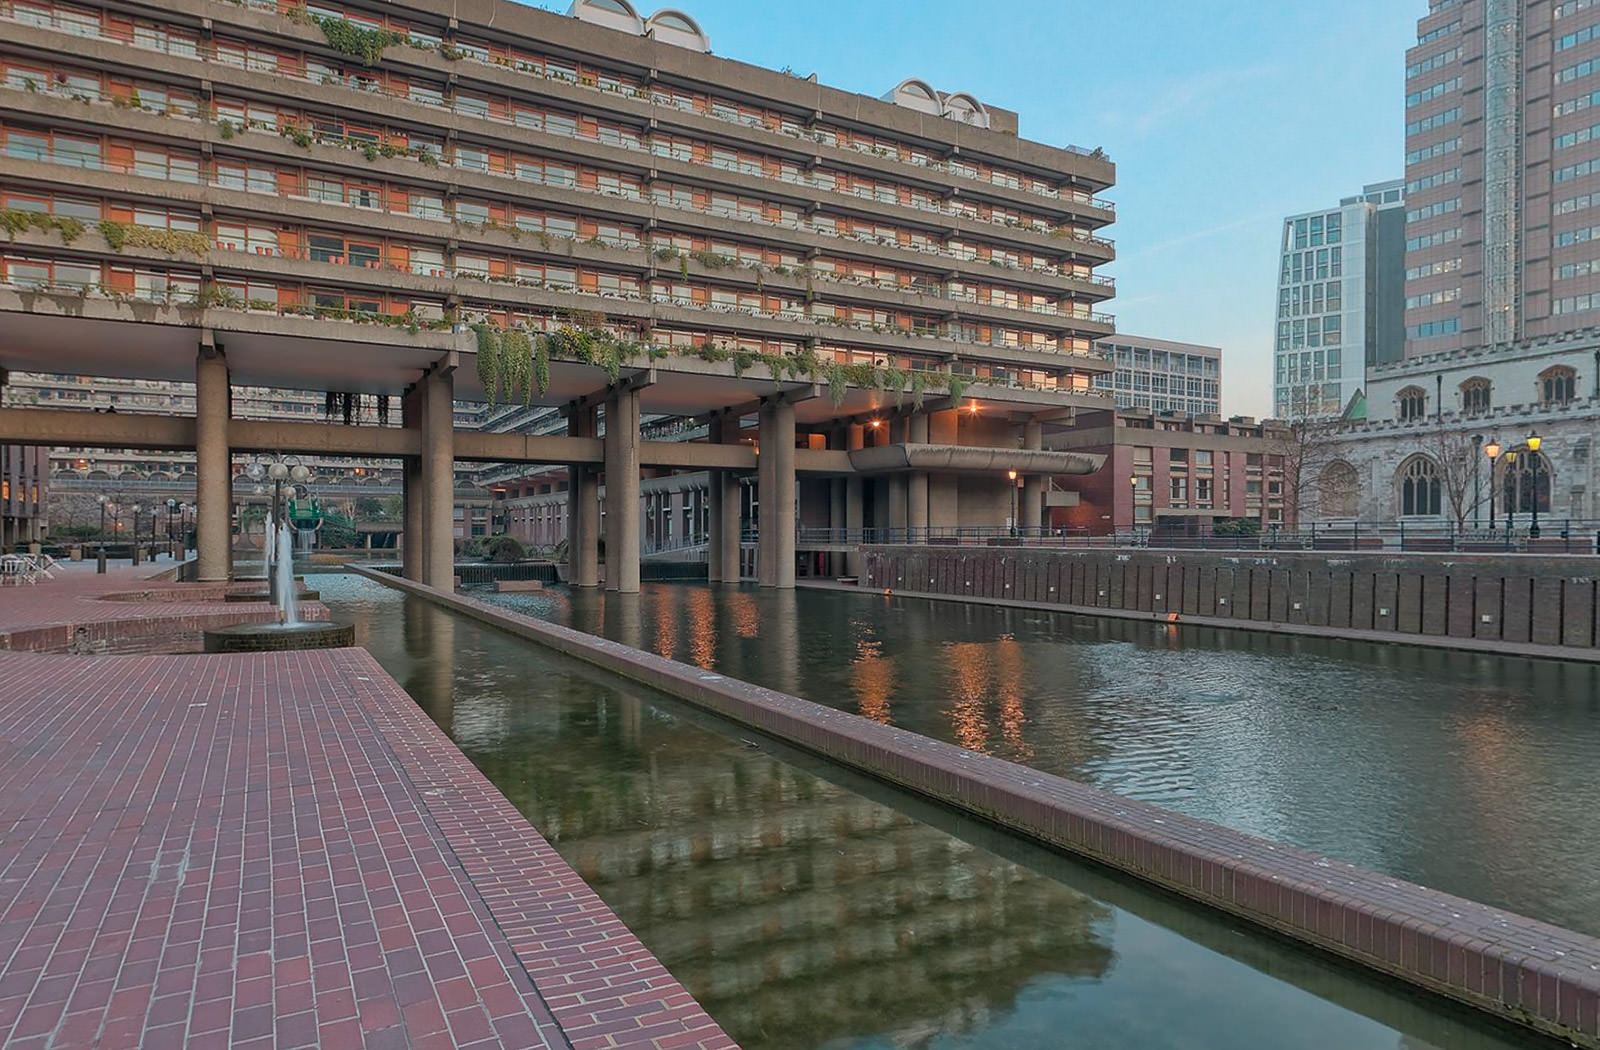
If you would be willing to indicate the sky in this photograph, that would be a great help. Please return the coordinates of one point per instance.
(1223, 116)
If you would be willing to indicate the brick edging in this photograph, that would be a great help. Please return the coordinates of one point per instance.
(602, 985)
(1528, 972)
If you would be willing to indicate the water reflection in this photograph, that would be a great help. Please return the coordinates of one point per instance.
(1466, 772)
(806, 908)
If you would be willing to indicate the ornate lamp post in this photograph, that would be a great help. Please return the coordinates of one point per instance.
(286, 468)
(103, 501)
(1492, 450)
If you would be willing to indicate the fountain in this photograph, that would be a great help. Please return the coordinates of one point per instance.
(290, 632)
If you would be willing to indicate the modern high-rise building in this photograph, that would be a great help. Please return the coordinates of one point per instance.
(1162, 376)
(1502, 173)
(1340, 283)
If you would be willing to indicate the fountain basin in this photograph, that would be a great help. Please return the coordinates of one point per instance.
(265, 596)
(279, 637)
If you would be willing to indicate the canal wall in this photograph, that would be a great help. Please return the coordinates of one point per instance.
(1524, 604)
(1528, 972)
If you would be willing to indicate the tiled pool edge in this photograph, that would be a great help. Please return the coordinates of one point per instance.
(1528, 972)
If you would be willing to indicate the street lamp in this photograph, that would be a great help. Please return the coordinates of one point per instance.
(1516, 489)
(1534, 441)
(102, 500)
(1492, 450)
(1477, 489)
(286, 468)
(1011, 476)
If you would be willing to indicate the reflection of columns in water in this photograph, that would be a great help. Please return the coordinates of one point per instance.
(781, 638)
(623, 619)
(430, 639)
(588, 610)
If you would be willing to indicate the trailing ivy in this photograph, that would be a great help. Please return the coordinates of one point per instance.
(489, 367)
(919, 383)
(347, 38)
(15, 221)
(517, 364)
(895, 381)
(121, 235)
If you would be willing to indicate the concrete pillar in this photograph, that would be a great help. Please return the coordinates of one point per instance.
(213, 467)
(722, 543)
(622, 492)
(917, 482)
(777, 494)
(438, 479)
(411, 547)
(944, 504)
(854, 504)
(1031, 514)
(583, 509)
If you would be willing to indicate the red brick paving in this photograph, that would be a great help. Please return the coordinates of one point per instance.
(281, 850)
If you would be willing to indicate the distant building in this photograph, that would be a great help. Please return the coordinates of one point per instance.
(1341, 278)
(24, 485)
(1161, 376)
(1175, 474)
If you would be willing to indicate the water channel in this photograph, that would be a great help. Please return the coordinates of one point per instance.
(808, 908)
(1478, 775)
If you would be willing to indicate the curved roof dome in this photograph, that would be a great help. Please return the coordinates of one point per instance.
(671, 26)
(613, 14)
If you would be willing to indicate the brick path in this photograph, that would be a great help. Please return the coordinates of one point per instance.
(280, 850)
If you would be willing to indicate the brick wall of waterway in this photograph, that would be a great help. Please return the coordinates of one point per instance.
(1514, 601)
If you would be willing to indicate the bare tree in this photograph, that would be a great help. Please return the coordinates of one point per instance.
(1308, 443)
(1456, 457)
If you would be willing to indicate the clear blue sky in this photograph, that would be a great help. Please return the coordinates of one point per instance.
(1222, 118)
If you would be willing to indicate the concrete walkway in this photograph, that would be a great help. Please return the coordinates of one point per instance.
(281, 850)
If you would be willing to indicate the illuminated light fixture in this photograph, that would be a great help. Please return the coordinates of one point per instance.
(1534, 441)
(973, 407)
(1012, 475)
(875, 424)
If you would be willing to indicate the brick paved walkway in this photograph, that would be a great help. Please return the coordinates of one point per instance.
(280, 850)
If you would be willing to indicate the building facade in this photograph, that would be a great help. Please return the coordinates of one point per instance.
(1162, 376)
(1340, 288)
(1176, 475)
(24, 495)
(1416, 450)
(1502, 173)
(490, 201)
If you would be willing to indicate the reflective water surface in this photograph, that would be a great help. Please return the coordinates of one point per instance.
(1473, 774)
(806, 908)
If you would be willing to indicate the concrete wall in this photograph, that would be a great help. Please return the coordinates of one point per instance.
(1469, 601)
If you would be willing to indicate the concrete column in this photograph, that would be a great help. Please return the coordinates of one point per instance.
(777, 494)
(854, 503)
(213, 467)
(411, 546)
(583, 509)
(943, 492)
(622, 492)
(722, 542)
(1031, 513)
(438, 479)
(917, 482)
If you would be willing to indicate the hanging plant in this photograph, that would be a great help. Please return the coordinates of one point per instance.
(541, 364)
(895, 380)
(347, 38)
(957, 387)
(489, 365)
(838, 386)
(919, 383)
(516, 364)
